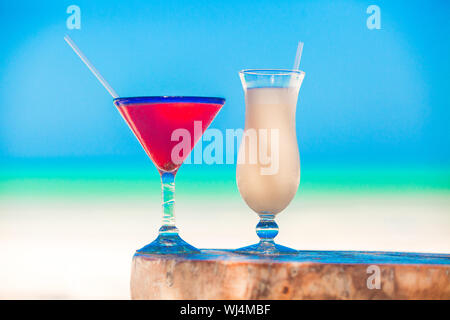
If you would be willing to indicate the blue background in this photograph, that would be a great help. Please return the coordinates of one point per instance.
(370, 97)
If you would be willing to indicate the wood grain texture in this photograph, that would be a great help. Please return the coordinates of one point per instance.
(221, 274)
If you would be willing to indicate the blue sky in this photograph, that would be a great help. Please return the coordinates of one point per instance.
(369, 96)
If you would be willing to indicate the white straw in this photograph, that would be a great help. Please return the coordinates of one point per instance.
(91, 67)
(298, 56)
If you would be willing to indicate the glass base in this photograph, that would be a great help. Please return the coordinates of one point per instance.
(266, 248)
(168, 244)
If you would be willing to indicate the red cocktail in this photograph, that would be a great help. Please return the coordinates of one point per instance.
(154, 124)
(160, 123)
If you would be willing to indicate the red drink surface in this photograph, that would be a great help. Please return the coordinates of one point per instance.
(154, 123)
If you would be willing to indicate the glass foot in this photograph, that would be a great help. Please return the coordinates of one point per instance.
(168, 244)
(266, 229)
(266, 248)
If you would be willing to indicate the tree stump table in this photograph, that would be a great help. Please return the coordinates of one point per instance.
(222, 274)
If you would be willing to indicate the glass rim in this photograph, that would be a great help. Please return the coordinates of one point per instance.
(272, 72)
(166, 99)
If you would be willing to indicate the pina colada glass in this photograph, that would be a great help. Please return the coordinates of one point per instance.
(268, 169)
(154, 121)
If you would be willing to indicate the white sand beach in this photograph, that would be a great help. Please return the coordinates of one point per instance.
(57, 248)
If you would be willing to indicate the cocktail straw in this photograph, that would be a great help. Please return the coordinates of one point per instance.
(298, 56)
(91, 67)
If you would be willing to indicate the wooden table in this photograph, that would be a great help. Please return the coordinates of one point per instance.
(222, 274)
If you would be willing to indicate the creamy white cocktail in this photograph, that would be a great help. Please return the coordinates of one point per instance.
(268, 169)
(268, 184)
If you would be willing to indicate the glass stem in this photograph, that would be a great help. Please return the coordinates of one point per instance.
(267, 228)
(168, 203)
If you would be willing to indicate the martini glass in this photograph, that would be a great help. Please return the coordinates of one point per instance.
(157, 123)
